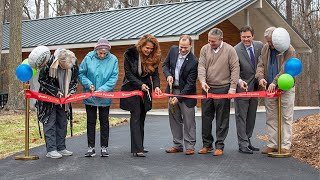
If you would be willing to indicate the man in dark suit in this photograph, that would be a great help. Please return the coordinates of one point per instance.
(248, 52)
(180, 69)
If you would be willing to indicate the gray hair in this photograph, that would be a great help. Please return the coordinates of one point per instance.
(268, 31)
(216, 32)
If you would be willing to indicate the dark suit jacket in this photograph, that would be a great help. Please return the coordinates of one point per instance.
(247, 71)
(188, 74)
(133, 81)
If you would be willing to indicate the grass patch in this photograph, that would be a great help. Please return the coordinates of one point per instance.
(12, 133)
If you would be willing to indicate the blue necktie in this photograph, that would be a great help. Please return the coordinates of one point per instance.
(252, 58)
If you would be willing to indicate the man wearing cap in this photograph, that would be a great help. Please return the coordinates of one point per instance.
(98, 73)
(57, 78)
(270, 67)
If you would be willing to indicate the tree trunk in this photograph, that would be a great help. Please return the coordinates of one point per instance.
(1, 24)
(15, 99)
(37, 3)
(289, 11)
(68, 7)
(45, 8)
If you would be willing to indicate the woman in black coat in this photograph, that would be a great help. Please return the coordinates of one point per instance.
(140, 65)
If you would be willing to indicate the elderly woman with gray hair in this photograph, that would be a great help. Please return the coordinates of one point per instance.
(98, 72)
(58, 77)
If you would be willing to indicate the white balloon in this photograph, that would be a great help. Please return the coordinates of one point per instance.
(281, 39)
(39, 56)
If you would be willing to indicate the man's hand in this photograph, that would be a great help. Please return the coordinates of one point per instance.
(92, 88)
(205, 87)
(271, 88)
(263, 83)
(173, 101)
(157, 90)
(244, 85)
(144, 87)
(170, 80)
(231, 91)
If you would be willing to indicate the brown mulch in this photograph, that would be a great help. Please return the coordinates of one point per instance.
(306, 140)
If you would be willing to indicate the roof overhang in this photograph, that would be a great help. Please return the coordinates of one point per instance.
(113, 43)
(262, 17)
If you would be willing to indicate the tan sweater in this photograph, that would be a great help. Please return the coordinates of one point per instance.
(219, 69)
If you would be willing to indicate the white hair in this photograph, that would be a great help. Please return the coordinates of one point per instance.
(268, 31)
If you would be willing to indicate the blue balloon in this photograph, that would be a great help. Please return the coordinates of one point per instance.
(24, 72)
(293, 67)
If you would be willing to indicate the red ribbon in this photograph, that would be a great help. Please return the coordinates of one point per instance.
(264, 94)
(126, 94)
(78, 97)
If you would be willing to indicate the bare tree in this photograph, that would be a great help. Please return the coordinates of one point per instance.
(289, 11)
(38, 4)
(45, 8)
(305, 18)
(15, 54)
(1, 24)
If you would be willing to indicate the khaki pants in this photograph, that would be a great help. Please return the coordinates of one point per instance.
(287, 104)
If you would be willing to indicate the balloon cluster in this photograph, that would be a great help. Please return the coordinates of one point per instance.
(292, 68)
(28, 68)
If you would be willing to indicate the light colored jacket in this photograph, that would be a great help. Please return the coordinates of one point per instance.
(102, 74)
(262, 67)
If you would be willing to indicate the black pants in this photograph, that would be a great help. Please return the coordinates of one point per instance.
(104, 124)
(55, 130)
(137, 120)
(219, 108)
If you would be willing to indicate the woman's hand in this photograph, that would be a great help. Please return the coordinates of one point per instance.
(157, 90)
(91, 88)
(144, 87)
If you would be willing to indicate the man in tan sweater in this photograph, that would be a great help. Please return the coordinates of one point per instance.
(218, 73)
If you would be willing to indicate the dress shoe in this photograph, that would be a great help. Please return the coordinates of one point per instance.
(189, 152)
(139, 154)
(145, 150)
(218, 152)
(173, 150)
(284, 150)
(269, 150)
(245, 150)
(205, 150)
(253, 148)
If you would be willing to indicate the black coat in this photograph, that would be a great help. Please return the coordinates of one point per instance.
(133, 81)
(50, 86)
(187, 77)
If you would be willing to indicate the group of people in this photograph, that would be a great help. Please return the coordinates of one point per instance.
(220, 69)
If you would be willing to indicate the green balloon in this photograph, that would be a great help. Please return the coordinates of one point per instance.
(34, 71)
(285, 82)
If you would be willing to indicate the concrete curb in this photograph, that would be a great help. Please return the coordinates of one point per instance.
(164, 112)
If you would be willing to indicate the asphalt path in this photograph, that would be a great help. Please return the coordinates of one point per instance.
(158, 164)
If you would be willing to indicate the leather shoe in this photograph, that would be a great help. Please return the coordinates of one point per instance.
(218, 152)
(173, 150)
(139, 154)
(205, 150)
(269, 150)
(189, 152)
(145, 151)
(253, 148)
(284, 150)
(245, 150)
